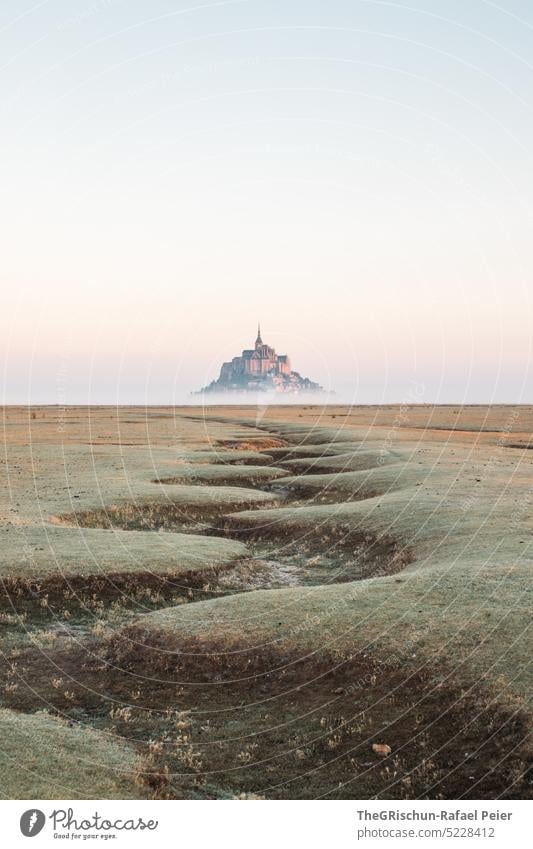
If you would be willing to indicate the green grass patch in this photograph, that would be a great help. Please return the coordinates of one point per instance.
(42, 757)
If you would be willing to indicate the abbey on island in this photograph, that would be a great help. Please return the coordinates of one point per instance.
(260, 369)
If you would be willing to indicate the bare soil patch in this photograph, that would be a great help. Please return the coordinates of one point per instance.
(56, 597)
(253, 443)
(358, 554)
(212, 721)
(154, 516)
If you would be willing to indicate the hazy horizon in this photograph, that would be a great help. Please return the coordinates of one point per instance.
(355, 175)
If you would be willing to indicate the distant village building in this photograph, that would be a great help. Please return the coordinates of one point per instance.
(260, 369)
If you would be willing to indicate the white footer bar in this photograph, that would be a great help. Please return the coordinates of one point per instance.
(257, 824)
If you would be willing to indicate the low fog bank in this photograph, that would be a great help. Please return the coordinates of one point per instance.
(262, 399)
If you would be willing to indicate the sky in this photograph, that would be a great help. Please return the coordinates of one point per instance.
(355, 174)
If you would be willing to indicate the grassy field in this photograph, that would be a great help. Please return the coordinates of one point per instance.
(43, 757)
(232, 603)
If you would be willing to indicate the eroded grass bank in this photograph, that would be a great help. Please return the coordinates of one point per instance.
(213, 721)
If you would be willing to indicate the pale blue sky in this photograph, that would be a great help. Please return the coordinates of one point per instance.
(356, 174)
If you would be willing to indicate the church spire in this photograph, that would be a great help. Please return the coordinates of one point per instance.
(258, 341)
